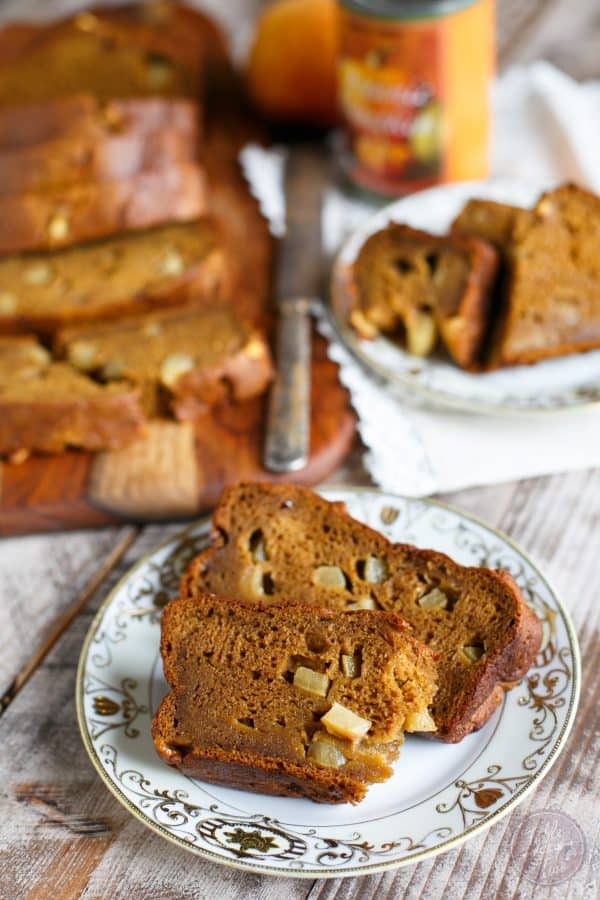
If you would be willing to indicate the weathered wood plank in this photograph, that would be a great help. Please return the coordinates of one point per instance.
(41, 578)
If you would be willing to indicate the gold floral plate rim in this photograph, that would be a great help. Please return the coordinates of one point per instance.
(257, 866)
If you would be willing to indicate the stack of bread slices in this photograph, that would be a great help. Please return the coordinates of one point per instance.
(303, 645)
(114, 279)
(506, 286)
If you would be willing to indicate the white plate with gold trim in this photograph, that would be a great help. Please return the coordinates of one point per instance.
(439, 795)
(568, 382)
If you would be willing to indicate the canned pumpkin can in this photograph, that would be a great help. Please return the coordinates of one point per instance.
(414, 80)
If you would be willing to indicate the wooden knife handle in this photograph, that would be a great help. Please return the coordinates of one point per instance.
(288, 419)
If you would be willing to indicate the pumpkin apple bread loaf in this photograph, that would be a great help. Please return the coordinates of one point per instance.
(193, 358)
(422, 288)
(281, 541)
(47, 406)
(63, 216)
(131, 273)
(288, 699)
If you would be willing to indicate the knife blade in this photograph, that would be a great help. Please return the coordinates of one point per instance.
(298, 281)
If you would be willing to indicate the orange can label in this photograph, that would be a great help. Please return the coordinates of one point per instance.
(397, 93)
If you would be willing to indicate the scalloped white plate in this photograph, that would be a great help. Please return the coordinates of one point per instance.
(439, 795)
(565, 383)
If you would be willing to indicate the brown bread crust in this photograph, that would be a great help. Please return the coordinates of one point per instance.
(478, 596)
(240, 377)
(245, 654)
(86, 212)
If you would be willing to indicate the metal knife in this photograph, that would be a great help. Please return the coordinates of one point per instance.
(298, 282)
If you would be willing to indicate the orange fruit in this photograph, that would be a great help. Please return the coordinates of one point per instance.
(291, 71)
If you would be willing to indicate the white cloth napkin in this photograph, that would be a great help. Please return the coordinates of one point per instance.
(547, 128)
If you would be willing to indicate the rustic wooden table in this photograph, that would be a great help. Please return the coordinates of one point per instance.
(62, 835)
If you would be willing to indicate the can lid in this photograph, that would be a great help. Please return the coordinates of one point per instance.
(406, 9)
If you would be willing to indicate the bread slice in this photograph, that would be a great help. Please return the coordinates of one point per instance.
(47, 406)
(420, 287)
(491, 221)
(280, 541)
(83, 115)
(553, 286)
(259, 696)
(197, 357)
(176, 30)
(132, 273)
(92, 54)
(75, 159)
(88, 211)
(161, 28)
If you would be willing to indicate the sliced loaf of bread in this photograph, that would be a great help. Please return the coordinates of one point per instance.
(277, 542)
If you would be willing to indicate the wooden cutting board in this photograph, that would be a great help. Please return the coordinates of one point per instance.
(179, 469)
(176, 472)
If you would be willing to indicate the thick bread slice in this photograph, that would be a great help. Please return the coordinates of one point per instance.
(176, 30)
(105, 59)
(197, 357)
(161, 28)
(84, 212)
(86, 158)
(422, 287)
(47, 406)
(252, 688)
(127, 274)
(85, 115)
(552, 304)
(279, 541)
